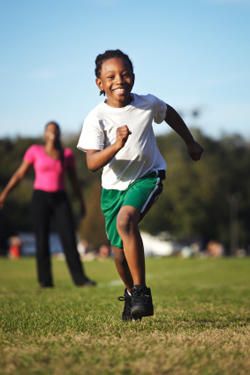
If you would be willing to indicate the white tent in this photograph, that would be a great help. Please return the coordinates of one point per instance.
(156, 246)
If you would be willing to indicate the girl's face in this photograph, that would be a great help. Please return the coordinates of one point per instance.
(116, 80)
(51, 133)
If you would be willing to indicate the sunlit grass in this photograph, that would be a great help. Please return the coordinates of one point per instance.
(201, 322)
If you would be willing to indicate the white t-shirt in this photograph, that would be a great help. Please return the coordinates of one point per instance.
(140, 155)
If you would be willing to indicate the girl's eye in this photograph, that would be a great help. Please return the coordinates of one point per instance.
(125, 74)
(110, 77)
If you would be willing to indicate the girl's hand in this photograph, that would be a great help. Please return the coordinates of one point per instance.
(122, 134)
(195, 150)
(97, 159)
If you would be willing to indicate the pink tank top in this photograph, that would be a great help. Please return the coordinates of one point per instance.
(49, 172)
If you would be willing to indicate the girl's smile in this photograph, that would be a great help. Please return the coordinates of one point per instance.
(116, 80)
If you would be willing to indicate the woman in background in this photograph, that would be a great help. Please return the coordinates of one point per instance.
(50, 162)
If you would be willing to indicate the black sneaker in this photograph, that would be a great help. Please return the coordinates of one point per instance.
(126, 314)
(141, 302)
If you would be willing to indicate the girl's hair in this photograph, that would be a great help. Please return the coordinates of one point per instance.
(58, 143)
(110, 54)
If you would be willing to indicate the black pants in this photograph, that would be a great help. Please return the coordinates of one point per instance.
(44, 207)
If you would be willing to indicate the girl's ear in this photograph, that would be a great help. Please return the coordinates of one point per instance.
(98, 82)
(99, 85)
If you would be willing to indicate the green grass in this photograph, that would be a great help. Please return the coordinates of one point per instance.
(201, 322)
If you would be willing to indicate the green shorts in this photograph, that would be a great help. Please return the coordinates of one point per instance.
(141, 194)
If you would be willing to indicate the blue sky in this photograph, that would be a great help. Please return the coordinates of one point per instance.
(192, 54)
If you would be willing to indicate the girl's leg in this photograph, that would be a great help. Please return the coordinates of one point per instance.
(127, 226)
(41, 220)
(122, 267)
(140, 303)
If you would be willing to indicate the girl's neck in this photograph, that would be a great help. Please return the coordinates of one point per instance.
(119, 104)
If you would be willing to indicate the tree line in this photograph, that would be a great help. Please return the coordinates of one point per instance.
(201, 201)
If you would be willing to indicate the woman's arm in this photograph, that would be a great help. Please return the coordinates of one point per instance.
(175, 121)
(17, 176)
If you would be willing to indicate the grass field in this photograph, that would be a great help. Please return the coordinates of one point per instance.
(201, 323)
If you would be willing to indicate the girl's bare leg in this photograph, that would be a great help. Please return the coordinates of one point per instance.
(122, 267)
(127, 226)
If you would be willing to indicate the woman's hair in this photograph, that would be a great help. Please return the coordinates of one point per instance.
(56, 125)
(58, 143)
(110, 54)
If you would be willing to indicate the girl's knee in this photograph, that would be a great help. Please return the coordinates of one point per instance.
(126, 220)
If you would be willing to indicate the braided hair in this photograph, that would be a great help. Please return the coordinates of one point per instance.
(110, 54)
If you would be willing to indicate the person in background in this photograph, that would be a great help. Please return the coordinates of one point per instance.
(15, 247)
(50, 162)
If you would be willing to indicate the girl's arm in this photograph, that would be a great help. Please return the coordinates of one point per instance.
(175, 121)
(97, 159)
(14, 180)
(77, 189)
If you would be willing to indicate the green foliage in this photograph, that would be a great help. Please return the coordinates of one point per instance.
(16, 210)
(92, 227)
(196, 202)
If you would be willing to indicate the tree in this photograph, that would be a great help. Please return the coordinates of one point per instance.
(195, 203)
